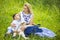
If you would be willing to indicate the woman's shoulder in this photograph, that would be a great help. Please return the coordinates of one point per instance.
(32, 14)
(20, 13)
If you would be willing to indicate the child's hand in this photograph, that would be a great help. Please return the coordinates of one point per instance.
(13, 25)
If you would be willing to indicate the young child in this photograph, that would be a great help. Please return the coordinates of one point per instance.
(17, 26)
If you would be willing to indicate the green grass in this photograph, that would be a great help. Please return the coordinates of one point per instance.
(46, 12)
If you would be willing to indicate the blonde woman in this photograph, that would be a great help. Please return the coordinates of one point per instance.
(27, 14)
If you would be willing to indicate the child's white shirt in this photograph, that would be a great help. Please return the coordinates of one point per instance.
(17, 24)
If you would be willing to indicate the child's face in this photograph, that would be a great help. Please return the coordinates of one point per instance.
(17, 16)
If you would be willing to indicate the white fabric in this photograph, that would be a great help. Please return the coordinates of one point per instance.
(22, 34)
(17, 23)
(22, 18)
(46, 33)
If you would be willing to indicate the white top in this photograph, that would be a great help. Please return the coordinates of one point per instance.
(17, 23)
(26, 17)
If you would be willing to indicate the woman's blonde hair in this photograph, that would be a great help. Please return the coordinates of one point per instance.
(29, 7)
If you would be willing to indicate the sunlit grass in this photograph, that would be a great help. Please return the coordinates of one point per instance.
(46, 14)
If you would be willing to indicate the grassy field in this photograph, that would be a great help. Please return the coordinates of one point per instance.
(46, 13)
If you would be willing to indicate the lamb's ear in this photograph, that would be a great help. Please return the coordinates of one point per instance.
(23, 24)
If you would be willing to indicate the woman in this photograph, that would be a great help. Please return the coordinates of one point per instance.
(27, 16)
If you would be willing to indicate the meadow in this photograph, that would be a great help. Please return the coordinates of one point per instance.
(46, 13)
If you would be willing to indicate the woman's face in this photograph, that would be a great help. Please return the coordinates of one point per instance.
(25, 9)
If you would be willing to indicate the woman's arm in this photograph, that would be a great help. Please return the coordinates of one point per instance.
(23, 26)
(31, 20)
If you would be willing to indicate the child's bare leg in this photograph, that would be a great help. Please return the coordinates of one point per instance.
(14, 34)
(22, 34)
(9, 30)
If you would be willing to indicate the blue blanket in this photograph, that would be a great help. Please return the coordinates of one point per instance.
(43, 32)
(32, 30)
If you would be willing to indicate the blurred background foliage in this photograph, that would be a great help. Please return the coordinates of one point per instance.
(46, 13)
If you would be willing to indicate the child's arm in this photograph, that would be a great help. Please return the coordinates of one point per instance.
(13, 25)
(24, 26)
